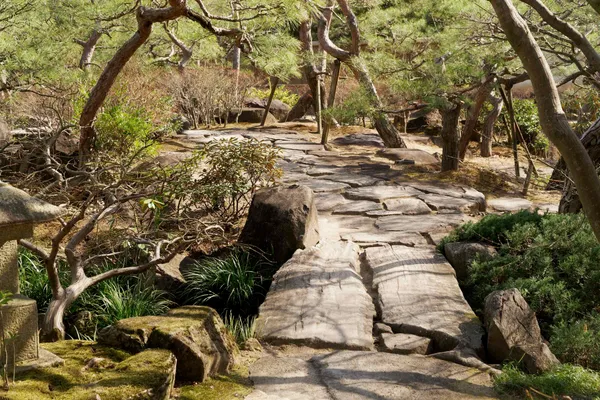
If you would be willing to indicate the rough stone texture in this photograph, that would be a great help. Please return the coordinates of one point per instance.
(278, 108)
(359, 139)
(333, 226)
(461, 255)
(375, 236)
(9, 268)
(354, 375)
(298, 146)
(443, 189)
(446, 203)
(357, 207)
(514, 333)
(329, 201)
(45, 360)
(417, 223)
(20, 318)
(402, 343)
(353, 179)
(381, 193)
(250, 115)
(196, 335)
(509, 204)
(418, 157)
(324, 186)
(318, 299)
(380, 327)
(19, 208)
(428, 121)
(282, 220)
(169, 276)
(5, 134)
(408, 206)
(418, 294)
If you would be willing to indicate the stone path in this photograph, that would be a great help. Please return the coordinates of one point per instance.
(326, 297)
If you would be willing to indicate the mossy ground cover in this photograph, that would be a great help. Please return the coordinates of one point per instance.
(118, 376)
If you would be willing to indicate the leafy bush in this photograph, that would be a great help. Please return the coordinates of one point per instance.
(578, 342)
(527, 117)
(234, 171)
(564, 380)
(281, 94)
(235, 283)
(553, 261)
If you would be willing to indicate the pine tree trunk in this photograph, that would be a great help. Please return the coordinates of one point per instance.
(301, 107)
(482, 94)
(450, 137)
(488, 126)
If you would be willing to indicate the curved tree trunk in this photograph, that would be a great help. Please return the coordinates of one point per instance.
(316, 85)
(552, 117)
(301, 107)
(89, 48)
(481, 96)
(450, 137)
(487, 136)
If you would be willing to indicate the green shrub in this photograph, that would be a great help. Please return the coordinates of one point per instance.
(281, 94)
(578, 342)
(553, 261)
(235, 283)
(564, 380)
(354, 109)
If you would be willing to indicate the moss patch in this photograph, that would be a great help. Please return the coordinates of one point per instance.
(234, 386)
(118, 376)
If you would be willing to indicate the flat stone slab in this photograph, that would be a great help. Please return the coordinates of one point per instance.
(417, 223)
(447, 203)
(374, 237)
(510, 204)
(407, 206)
(359, 139)
(354, 180)
(298, 146)
(382, 193)
(318, 299)
(403, 343)
(332, 226)
(320, 171)
(329, 201)
(357, 207)
(418, 294)
(324, 186)
(357, 375)
(419, 157)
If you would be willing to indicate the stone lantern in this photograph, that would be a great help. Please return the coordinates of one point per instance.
(19, 213)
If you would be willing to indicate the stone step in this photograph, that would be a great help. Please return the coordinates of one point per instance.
(318, 299)
(417, 293)
(358, 375)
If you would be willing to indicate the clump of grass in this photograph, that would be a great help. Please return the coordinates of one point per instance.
(241, 328)
(564, 380)
(235, 283)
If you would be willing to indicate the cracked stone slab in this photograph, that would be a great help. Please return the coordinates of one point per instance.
(318, 299)
(360, 375)
(359, 139)
(357, 207)
(510, 204)
(442, 189)
(417, 223)
(382, 193)
(419, 157)
(329, 201)
(442, 203)
(333, 226)
(417, 293)
(324, 186)
(322, 170)
(407, 206)
(403, 343)
(375, 237)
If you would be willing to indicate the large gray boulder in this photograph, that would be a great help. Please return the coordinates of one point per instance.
(462, 254)
(282, 219)
(514, 333)
(196, 335)
(278, 108)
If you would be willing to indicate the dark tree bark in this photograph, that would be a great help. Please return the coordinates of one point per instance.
(487, 136)
(450, 137)
(310, 69)
(552, 117)
(481, 96)
(301, 107)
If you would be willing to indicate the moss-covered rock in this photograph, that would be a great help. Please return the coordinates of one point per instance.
(92, 370)
(196, 335)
